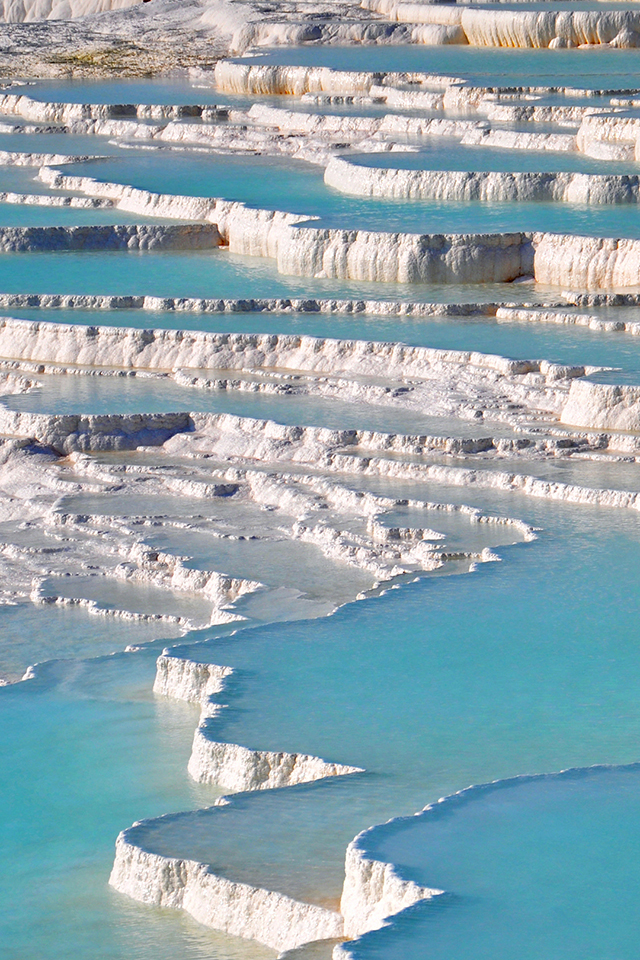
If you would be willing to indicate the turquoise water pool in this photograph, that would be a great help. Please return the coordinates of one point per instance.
(92, 395)
(218, 274)
(429, 712)
(425, 715)
(306, 193)
(71, 634)
(594, 68)
(544, 837)
(65, 797)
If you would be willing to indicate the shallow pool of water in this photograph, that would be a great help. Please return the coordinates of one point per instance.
(218, 274)
(593, 68)
(549, 864)
(301, 189)
(455, 698)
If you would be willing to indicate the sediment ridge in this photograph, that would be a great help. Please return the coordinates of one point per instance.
(127, 348)
(373, 891)
(253, 912)
(490, 27)
(238, 768)
(188, 680)
(555, 259)
(271, 918)
(194, 236)
(487, 187)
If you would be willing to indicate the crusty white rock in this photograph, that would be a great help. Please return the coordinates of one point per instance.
(271, 918)
(20, 11)
(492, 27)
(353, 178)
(603, 406)
(238, 768)
(374, 891)
(188, 680)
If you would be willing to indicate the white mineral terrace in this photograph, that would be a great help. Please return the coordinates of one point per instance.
(436, 381)
(271, 918)
(40, 486)
(515, 28)
(488, 187)
(588, 262)
(202, 514)
(372, 890)
(19, 11)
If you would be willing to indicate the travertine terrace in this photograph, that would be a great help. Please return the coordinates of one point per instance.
(270, 435)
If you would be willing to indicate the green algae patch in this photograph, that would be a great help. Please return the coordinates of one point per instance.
(125, 60)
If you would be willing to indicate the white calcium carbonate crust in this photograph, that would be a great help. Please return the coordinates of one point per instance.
(488, 187)
(21, 11)
(238, 768)
(185, 679)
(165, 350)
(271, 918)
(68, 433)
(373, 891)
(603, 406)
(493, 27)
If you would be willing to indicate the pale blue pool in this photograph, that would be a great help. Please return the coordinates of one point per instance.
(302, 190)
(587, 69)
(563, 856)
(428, 712)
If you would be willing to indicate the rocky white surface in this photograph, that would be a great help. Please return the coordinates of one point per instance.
(603, 406)
(590, 263)
(487, 187)
(492, 27)
(188, 680)
(108, 237)
(271, 918)
(20, 11)
(237, 768)
(373, 892)
(162, 350)
(302, 306)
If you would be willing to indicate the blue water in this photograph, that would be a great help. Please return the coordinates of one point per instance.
(451, 713)
(95, 395)
(585, 69)
(71, 634)
(25, 215)
(217, 274)
(564, 871)
(429, 712)
(83, 752)
(164, 92)
(69, 144)
(235, 179)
